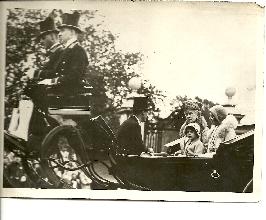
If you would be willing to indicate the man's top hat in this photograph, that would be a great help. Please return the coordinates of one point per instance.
(47, 26)
(70, 21)
(140, 104)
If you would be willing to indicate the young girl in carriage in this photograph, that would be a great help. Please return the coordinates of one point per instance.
(193, 115)
(191, 144)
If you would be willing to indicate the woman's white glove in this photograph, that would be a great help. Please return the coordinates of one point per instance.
(48, 81)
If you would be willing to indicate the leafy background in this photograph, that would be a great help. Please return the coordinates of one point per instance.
(109, 69)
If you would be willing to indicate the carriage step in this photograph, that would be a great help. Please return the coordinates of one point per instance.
(69, 111)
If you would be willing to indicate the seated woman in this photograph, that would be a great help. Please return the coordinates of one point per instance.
(190, 144)
(223, 127)
(193, 115)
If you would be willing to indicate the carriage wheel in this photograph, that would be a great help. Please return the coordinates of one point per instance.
(36, 173)
(14, 172)
(63, 158)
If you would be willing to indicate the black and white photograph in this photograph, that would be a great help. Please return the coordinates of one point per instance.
(153, 99)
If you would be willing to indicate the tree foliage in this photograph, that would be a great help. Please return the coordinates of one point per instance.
(109, 70)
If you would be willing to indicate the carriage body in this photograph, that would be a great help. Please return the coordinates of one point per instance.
(229, 170)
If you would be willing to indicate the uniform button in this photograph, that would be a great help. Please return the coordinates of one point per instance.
(63, 62)
(62, 69)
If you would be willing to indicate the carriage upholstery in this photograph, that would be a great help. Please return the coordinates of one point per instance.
(57, 97)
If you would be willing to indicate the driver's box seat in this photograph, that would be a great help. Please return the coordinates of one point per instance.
(62, 101)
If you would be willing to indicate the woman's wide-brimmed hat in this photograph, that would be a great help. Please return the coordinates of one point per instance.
(70, 21)
(191, 105)
(47, 26)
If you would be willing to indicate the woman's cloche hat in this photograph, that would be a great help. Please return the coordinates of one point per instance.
(219, 112)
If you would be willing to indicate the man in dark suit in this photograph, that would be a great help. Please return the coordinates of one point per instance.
(129, 134)
(49, 38)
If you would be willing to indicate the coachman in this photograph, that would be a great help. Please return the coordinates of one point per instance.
(49, 38)
(73, 61)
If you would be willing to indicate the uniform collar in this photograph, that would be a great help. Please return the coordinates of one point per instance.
(70, 42)
(53, 48)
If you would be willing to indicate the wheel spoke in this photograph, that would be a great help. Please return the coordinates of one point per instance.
(65, 164)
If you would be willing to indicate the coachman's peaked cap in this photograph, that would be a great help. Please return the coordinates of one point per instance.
(47, 26)
(71, 21)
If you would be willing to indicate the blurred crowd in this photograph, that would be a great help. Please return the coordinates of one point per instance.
(16, 176)
(14, 173)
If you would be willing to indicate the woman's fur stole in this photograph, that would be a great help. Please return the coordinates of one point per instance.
(225, 131)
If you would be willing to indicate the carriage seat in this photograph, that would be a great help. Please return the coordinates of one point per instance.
(60, 98)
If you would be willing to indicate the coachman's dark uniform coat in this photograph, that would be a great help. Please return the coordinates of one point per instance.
(129, 137)
(38, 126)
(72, 66)
(49, 69)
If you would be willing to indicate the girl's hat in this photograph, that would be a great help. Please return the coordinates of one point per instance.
(219, 112)
(193, 126)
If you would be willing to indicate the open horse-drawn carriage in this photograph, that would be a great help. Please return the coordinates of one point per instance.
(89, 149)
